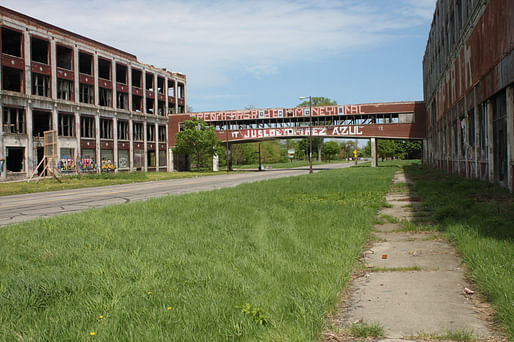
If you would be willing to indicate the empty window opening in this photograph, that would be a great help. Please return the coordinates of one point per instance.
(41, 122)
(105, 97)
(40, 85)
(66, 125)
(162, 133)
(171, 108)
(64, 57)
(64, 89)
(160, 85)
(136, 103)
(11, 42)
(150, 132)
(13, 120)
(138, 131)
(180, 109)
(151, 158)
(500, 136)
(482, 124)
(171, 88)
(471, 128)
(123, 130)
(86, 93)
(136, 78)
(161, 108)
(15, 157)
(12, 79)
(87, 127)
(149, 105)
(149, 81)
(105, 129)
(39, 49)
(180, 91)
(122, 100)
(85, 63)
(121, 73)
(104, 69)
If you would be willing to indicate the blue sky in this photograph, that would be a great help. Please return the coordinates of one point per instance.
(262, 53)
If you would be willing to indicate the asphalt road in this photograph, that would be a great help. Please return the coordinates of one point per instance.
(19, 208)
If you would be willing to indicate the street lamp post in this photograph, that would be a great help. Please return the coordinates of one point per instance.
(310, 129)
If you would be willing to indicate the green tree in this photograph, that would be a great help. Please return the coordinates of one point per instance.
(330, 149)
(347, 147)
(198, 139)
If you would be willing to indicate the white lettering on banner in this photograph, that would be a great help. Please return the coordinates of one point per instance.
(292, 132)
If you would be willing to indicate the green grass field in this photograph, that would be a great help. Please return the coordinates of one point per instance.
(260, 262)
(92, 180)
(479, 218)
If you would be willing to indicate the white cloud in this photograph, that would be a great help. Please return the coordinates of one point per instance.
(205, 39)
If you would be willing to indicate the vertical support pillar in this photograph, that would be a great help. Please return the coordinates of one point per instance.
(490, 141)
(175, 90)
(373, 152)
(131, 144)
(145, 148)
(215, 163)
(97, 140)
(510, 137)
(156, 130)
(3, 170)
(115, 160)
(29, 152)
(55, 127)
(78, 153)
(171, 166)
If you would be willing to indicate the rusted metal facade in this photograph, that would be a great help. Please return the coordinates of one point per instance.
(468, 76)
(110, 110)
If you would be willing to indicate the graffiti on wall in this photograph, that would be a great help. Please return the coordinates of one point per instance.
(338, 131)
(67, 164)
(87, 164)
(2, 161)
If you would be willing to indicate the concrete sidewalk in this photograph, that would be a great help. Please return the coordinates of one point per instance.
(413, 283)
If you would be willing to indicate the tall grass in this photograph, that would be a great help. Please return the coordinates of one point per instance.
(479, 217)
(259, 262)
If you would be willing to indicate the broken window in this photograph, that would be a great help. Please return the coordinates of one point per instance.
(162, 133)
(161, 108)
(160, 85)
(171, 88)
(12, 79)
(15, 157)
(171, 108)
(180, 90)
(136, 103)
(64, 57)
(105, 128)
(121, 73)
(11, 42)
(151, 158)
(149, 105)
(85, 63)
(104, 69)
(138, 131)
(123, 130)
(40, 85)
(13, 120)
(86, 93)
(39, 49)
(87, 127)
(105, 97)
(136, 78)
(121, 100)
(150, 132)
(64, 89)
(41, 122)
(149, 81)
(66, 125)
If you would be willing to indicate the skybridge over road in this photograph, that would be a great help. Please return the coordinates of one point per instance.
(393, 120)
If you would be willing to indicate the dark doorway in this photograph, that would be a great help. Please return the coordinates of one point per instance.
(14, 159)
(40, 154)
(41, 122)
(500, 137)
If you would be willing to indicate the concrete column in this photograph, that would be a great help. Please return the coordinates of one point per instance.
(76, 82)
(131, 144)
(114, 86)
(143, 84)
(156, 128)
(95, 74)
(171, 166)
(97, 139)
(3, 170)
(510, 137)
(77, 137)
(215, 163)
(53, 64)
(115, 148)
(166, 102)
(145, 148)
(129, 84)
(29, 152)
(184, 96)
(28, 72)
(55, 127)
(490, 141)
(175, 90)
(373, 152)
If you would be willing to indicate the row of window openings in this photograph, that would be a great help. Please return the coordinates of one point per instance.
(14, 123)
(12, 45)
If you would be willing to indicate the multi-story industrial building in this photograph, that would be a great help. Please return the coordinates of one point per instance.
(468, 74)
(109, 110)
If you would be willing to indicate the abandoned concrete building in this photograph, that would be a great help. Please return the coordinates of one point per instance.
(109, 110)
(468, 76)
